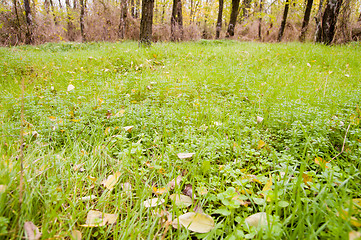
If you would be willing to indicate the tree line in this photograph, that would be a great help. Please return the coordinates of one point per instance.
(34, 21)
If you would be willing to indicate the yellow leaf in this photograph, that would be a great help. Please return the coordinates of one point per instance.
(321, 162)
(268, 184)
(261, 144)
(76, 120)
(257, 219)
(120, 113)
(159, 191)
(76, 235)
(106, 131)
(181, 200)
(93, 179)
(306, 178)
(98, 219)
(52, 118)
(153, 202)
(197, 222)
(111, 181)
(128, 128)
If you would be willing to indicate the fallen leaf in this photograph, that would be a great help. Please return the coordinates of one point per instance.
(88, 198)
(202, 190)
(268, 184)
(79, 167)
(52, 118)
(261, 144)
(31, 231)
(306, 178)
(70, 87)
(188, 190)
(354, 235)
(127, 188)
(98, 219)
(159, 191)
(259, 119)
(111, 181)
(257, 219)
(181, 200)
(153, 202)
(197, 222)
(76, 235)
(128, 128)
(93, 179)
(120, 113)
(175, 182)
(185, 155)
(2, 188)
(321, 162)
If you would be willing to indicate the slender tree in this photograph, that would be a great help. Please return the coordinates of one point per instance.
(233, 18)
(146, 22)
(123, 18)
(260, 20)
(70, 27)
(176, 20)
(29, 23)
(318, 32)
(53, 12)
(81, 19)
(284, 20)
(329, 20)
(17, 24)
(219, 19)
(306, 20)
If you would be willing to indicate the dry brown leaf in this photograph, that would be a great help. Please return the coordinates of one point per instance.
(197, 222)
(306, 178)
(76, 235)
(175, 182)
(188, 190)
(128, 128)
(31, 231)
(185, 155)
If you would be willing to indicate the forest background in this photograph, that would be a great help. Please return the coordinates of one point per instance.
(40, 21)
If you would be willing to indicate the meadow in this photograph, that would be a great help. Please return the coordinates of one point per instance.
(240, 128)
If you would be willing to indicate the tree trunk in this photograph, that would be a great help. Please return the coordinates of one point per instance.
(18, 26)
(246, 5)
(29, 32)
(318, 32)
(219, 19)
(345, 21)
(329, 20)
(60, 6)
(284, 20)
(260, 20)
(70, 26)
(233, 18)
(359, 18)
(306, 20)
(146, 22)
(53, 12)
(123, 18)
(82, 13)
(176, 21)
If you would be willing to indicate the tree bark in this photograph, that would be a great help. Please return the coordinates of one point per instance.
(318, 31)
(70, 27)
(18, 25)
(29, 32)
(359, 18)
(345, 21)
(329, 20)
(176, 21)
(123, 18)
(306, 20)
(82, 13)
(284, 20)
(260, 20)
(233, 18)
(146, 22)
(219, 19)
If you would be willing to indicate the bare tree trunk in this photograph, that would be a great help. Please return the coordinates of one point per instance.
(329, 20)
(318, 32)
(176, 21)
(137, 7)
(233, 18)
(163, 12)
(123, 19)
(359, 18)
(29, 32)
(60, 6)
(18, 26)
(219, 19)
(306, 20)
(146, 22)
(345, 21)
(70, 26)
(260, 20)
(284, 20)
(82, 13)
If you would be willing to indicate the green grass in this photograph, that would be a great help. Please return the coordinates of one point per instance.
(201, 97)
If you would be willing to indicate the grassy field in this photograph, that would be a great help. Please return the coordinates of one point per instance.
(274, 128)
